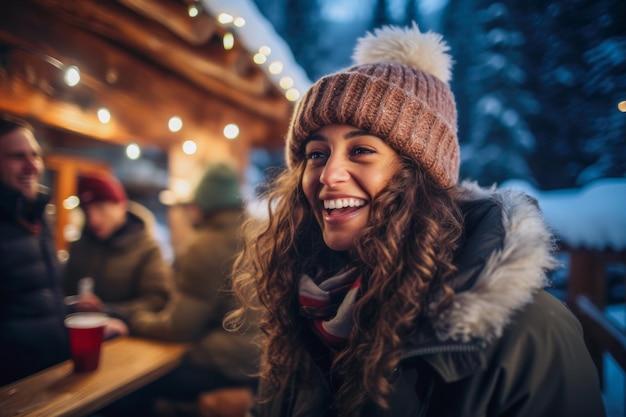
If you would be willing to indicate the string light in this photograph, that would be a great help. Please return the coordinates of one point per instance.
(71, 73)
(190, 147)
(292, 94)
(175, 124)
(259, 58)
(228, 41)
(286, 82)
(231, 131)
(224, 18)
(71, 202)
(71, 76)
(104, 115)
(275, 67)
(133, 151)
(193, 10)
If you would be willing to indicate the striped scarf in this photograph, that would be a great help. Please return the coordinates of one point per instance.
(327, 303)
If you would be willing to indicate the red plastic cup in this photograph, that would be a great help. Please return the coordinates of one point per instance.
(86, 335)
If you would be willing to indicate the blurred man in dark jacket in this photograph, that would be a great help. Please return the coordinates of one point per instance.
(32, 334)
(32, 309)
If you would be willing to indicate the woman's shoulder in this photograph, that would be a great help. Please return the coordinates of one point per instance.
(547, 317)
(545, 328)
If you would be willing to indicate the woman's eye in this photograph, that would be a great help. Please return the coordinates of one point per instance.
(314, 155)
(360, 150)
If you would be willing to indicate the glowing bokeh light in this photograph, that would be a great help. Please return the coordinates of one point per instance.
(175, 124)
(228, 41)
(72, 76)
(104, 115)
(231, 131)
(292, 94)
(133, 151)
(190, 147)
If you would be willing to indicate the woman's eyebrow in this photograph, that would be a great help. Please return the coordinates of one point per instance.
(356, 133)
(316, 137)
(351, 134)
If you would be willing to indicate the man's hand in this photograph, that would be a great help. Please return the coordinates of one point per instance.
(115, 328)
(89, 302)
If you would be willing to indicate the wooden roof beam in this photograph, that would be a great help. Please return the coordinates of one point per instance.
(196, 31)
(209, 68)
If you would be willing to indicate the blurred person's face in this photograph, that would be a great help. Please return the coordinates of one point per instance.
(21, 162)
(345, 169)
(105, 217)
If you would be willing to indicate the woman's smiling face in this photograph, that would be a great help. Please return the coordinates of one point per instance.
(345, 169)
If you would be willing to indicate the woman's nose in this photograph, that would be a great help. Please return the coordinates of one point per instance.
(334, 171)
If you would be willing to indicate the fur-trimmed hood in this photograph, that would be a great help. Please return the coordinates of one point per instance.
(502, 264)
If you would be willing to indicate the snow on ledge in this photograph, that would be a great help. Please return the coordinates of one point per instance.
(593, 216)
(257, 32)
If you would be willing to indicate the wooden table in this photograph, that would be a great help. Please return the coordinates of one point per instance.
(126, 364)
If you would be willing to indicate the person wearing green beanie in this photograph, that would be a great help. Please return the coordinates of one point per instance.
(217, 358)
(217, 189)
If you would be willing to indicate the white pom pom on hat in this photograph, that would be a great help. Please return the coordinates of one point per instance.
(408, 46)
(398, 90)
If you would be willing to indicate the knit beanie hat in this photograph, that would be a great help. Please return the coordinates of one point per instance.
(398, 90)
(218, 188)
(99, 186)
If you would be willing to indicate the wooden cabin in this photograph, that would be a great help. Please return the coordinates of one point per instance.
(145, 61)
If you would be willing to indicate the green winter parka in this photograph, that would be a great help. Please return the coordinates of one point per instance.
(128, 269)
(201, 300)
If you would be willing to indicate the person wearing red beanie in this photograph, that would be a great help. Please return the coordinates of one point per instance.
(104, 201)
(118, 251)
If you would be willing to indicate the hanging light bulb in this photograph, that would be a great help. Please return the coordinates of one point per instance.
(259, 58)
(286, 82)
(292, 94)
(276, 67)
(175, 124)
(133, 151)
(231, 131)
(225, 18)
(194, 9)
(228, 41)
(72, 75)
(104, 115)
(190, 147)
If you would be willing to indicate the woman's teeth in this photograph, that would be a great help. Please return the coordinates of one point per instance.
(343, 203)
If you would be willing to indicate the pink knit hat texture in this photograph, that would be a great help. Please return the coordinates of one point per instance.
(398, 90)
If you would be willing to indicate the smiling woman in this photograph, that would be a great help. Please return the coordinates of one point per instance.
(387, 287)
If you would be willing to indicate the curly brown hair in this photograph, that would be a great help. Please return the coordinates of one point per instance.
(403, 263)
